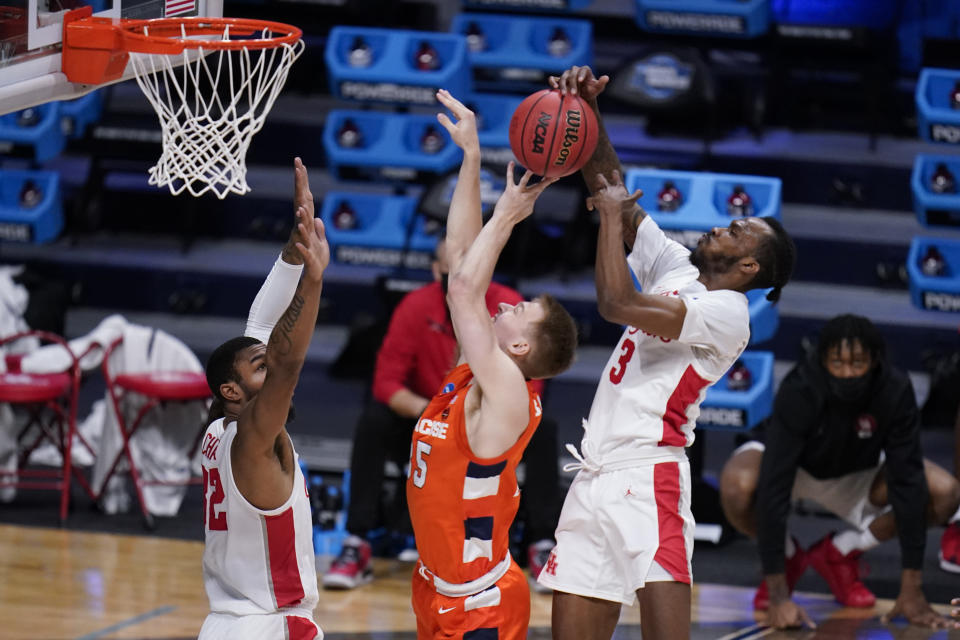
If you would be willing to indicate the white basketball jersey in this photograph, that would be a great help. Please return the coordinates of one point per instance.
(650, 391)
(254, 561)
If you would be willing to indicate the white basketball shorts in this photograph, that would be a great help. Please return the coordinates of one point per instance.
(847, 497)
(621, 529)
(223, 626)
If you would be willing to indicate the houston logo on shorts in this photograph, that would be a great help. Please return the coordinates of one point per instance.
(551, 566)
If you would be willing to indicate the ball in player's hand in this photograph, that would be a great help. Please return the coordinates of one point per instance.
(553, 135)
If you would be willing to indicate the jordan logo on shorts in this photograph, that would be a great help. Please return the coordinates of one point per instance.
(551, 566)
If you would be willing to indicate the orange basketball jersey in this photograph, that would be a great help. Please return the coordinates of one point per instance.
(461, 506)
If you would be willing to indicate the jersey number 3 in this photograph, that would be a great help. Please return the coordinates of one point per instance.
(420, 473)
(616, 373)
(213, 497)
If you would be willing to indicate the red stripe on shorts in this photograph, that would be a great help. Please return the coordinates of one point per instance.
(282, 546)
(675, 415)
(672, 552)
(300, 628)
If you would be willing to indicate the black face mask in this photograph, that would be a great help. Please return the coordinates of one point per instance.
(849, 389)
(444, 281)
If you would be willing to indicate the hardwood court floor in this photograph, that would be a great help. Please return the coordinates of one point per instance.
(65, 585)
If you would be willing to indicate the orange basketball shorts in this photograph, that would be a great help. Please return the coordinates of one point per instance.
(501, 612)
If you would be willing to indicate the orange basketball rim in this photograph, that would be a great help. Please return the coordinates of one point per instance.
(232, 71)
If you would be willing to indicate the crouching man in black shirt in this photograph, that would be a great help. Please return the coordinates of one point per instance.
(844, 433)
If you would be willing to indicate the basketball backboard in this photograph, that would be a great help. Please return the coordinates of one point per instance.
(31, 35)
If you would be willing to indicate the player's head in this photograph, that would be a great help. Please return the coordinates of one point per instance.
(850, 348)
(750, 253)
(236, 371)
(538, 334)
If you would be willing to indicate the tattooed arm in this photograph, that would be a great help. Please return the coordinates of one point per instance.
(263, 419)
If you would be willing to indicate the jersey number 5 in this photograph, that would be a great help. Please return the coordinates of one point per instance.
(213, 497)
(616, 373)
(420, 473)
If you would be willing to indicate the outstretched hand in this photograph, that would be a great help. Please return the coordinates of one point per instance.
(918, 612)
(612, 198)
(464, 130)
(303, 211)
(516, 202)
(312, 247)
(580, 81)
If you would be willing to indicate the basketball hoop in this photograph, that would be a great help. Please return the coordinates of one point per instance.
(211, 81)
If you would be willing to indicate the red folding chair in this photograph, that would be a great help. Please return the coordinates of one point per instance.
(50, 402)
(158, 388)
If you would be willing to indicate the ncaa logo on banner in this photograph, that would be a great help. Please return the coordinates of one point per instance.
(661, 76)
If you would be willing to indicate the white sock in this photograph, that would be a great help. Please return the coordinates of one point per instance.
(789, 548)
(852, 540)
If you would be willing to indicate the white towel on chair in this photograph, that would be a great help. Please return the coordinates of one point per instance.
(162, 444)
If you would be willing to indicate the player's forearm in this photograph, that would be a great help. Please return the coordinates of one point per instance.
(604, 159)
(464, 219)
(408, 404)
(612, 277)
(273, 298)
(777, 587)
(287, 347)
(472, 278)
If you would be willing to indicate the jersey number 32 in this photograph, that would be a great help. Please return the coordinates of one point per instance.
(213, 497)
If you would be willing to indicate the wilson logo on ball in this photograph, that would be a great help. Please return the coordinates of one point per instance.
(553, 135)
(570, 137)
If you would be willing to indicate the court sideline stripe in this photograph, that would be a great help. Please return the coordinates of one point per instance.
(749, 633)
(159, 611)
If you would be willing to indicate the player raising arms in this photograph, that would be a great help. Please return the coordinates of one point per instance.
(462, 490)
(626, 530)
(258, 562)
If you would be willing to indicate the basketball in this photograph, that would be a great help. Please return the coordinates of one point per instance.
(553, 135)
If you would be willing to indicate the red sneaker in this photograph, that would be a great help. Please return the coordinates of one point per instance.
(950, 548)
(842, 573)
(793, 568)
(352, 568)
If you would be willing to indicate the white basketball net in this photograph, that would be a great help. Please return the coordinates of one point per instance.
(210, 104)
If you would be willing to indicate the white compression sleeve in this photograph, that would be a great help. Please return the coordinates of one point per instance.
(273, 299)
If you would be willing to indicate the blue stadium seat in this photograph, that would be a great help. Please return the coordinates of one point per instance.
(935, 292)
(389, 147)
(37, 129)
(387, 232)
(724, 409)
(32, 218)
(704, 197)
(77, 114)
(937, 121)
(934, 208)
(390, 77)
(516, 55)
